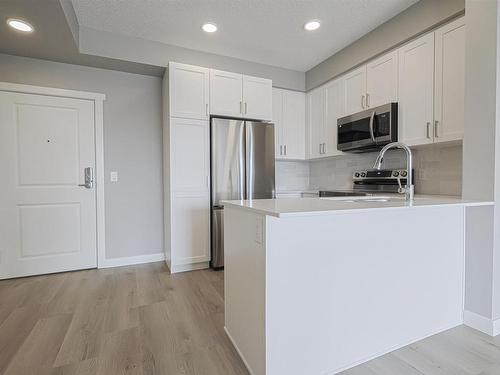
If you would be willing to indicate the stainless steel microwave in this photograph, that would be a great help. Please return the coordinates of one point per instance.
(368, 130)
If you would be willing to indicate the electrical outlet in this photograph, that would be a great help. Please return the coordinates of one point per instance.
(113, 176)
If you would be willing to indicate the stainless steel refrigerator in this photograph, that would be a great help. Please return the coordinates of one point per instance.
(242, 167)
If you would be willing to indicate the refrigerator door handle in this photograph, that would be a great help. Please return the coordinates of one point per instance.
(249, 176)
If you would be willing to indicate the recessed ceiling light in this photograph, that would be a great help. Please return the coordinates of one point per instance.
(312, 25)
(209, 27)
(20, 25)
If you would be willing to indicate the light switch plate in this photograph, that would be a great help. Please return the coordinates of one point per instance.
(113, 176)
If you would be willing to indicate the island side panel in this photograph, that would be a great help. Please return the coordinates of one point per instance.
(244, 285)
(345, 288)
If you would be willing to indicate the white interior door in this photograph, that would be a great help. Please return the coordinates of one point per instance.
(47, 221)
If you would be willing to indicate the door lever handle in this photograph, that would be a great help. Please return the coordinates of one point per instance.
(89, 178)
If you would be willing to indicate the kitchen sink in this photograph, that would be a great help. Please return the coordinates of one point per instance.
(368, 199)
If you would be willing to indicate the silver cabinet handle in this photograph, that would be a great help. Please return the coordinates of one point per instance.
(89, 178)
(324, 148)
(436, 133)
(320, 149)
(428, 130)
(246, 108)
(206, 108)
(362, 101)
(284, 149)
(367, 100)
(372, 132)
(241, 107)
(281, 150)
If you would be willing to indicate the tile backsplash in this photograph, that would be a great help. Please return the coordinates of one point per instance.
(438, 170)
(292, 175)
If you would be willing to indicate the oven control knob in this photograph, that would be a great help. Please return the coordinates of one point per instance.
(395, 173)
(403, 173)
(363, 174)
(356, 174)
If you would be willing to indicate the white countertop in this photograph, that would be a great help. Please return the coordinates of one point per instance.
(322, 206)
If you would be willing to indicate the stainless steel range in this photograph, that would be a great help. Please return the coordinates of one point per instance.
(372, 181)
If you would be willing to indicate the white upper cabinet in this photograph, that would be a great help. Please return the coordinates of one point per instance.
(278, 122)
(382, 80)
(294, 125)
(450, 82)
(334, 109)
(238, 95)
(355, 90)
(416, 91)
(189, 91)
(289, 122)
(257, 98)
(226, 93)
(316, 122)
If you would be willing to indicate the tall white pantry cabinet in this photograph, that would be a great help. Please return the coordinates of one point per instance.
(186, 167)
(190, 95)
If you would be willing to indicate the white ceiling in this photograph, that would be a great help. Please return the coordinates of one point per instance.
(264, 31)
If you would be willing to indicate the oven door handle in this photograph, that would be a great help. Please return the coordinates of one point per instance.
(372, 134)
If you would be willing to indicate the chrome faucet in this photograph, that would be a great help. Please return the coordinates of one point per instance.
(409, 189)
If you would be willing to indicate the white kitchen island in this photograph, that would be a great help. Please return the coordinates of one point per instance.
(317, 285)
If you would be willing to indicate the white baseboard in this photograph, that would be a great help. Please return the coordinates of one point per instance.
(128, 261)
(188, 267)
(489, 326)
(239, 351)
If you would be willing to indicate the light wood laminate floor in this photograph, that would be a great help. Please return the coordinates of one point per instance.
(142, 320)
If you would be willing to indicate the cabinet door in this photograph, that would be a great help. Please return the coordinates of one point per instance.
(416, 91)
(190, 228)
(355, 90)
(316, 122)
(293, 127)
(450, 82)
(334, 109)
(278, 122)
(226, 93)
(189, 152)
(257, 98)
(188, 91)
(382, 80)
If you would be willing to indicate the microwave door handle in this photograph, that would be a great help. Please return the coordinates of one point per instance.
(372, 134)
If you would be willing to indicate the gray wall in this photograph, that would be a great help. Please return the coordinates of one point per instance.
(481, 156)
(415, 20)
(132, 146)
(102, 43)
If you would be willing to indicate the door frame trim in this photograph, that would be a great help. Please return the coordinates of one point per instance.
(98, 100)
